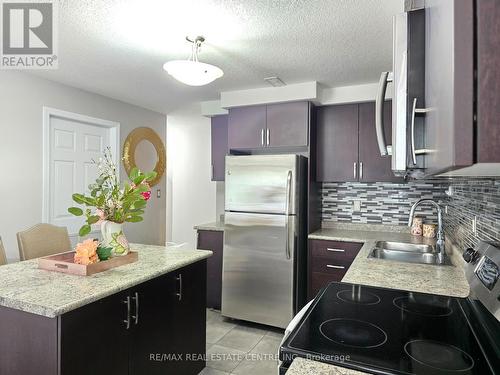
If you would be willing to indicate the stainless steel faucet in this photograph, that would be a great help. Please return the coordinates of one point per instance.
(440, 233)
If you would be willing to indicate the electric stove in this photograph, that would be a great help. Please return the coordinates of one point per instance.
(386, 331)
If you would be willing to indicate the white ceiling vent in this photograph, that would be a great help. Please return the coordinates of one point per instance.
(275, 81)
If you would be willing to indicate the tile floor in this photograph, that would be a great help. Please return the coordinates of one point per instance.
(240, 348)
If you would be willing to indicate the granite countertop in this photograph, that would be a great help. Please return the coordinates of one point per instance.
(302, 366)
(25, 287)
(214, 226)
(443, 280)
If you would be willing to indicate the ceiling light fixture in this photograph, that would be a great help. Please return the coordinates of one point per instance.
(192, 72)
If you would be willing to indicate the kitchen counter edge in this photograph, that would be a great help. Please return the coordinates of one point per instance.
(26, 288)
(303, 366)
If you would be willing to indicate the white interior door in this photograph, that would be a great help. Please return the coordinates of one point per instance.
(73, 143)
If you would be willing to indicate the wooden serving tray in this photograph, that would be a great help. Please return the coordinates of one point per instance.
(64, 263)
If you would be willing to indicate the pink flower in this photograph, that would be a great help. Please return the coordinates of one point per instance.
(101, 215)
(146, 195)
(122, 240)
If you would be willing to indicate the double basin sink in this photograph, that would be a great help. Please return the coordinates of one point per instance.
(407, 252)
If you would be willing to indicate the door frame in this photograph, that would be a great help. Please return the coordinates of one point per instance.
(48, 113)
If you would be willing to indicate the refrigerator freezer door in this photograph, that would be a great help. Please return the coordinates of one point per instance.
(262, 183)
(258, 277)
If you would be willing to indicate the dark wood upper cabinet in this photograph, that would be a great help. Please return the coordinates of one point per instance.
(347, 147)
(372, 166)
(287, 124)
(269, 126)
(337, 143)
(246, 127)
(219, 146)
(488, 85)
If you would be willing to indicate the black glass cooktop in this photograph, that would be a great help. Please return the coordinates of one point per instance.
(384, 331)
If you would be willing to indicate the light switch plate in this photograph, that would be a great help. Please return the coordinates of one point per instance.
(356, 206)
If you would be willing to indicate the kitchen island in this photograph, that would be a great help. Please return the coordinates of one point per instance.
(145, 317)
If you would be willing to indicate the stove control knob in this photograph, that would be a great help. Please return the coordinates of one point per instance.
(469, 255)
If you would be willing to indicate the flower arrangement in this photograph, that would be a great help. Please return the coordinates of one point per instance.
(86, 252)
(111, 204)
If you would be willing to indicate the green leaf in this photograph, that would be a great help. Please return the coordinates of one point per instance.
(139, 179)
(84, 230)
(82, 199)
(137, 205)
(151, 176)
(142, 188)
(134, 219)
(75, 211)
(78, 198)
(134, 173)
(104, 253)
(93, 219)
(135, 212)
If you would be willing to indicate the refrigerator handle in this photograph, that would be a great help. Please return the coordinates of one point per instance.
(288, 192)
(287, 212)
(385, 78)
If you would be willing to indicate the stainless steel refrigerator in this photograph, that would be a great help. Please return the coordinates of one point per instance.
(264, 242)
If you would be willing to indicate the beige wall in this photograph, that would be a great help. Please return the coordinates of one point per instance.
(191, 193)
(22, 97)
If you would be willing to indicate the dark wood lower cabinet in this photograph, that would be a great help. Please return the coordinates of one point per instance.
(157, 327)
(171, 334)
(214, 241)
(329, 261)
(152, 328)
(190, 318)
(94, 338)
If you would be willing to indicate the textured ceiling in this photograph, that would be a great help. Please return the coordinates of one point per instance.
(117, 47)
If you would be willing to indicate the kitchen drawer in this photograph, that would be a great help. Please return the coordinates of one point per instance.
(328, 265)
(320, 280)
(334, 250)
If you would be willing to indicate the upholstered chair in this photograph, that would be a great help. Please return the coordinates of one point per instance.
(42, 240)
(3, 258)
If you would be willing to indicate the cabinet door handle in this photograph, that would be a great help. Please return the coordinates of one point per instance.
(136, 300)
(355, 170)
(268, 136)
(336, 267)
(360, 170)
(127, 321)
(262, 137)
(179, 294)
(335, 250)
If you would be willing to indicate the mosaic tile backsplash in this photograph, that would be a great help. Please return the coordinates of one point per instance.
(388, 203)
